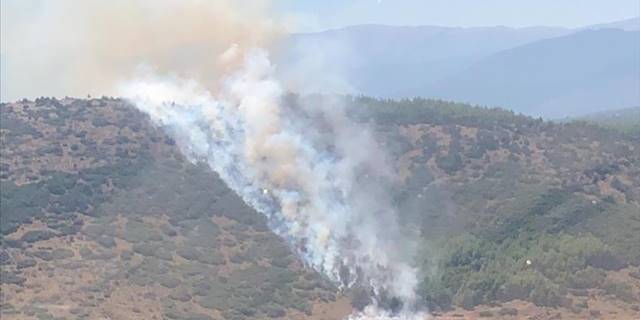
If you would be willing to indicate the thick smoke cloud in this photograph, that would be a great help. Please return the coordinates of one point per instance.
(75, 48)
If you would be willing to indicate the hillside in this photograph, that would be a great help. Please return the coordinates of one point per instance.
(492, 190)
(102, 217)
(625, 120)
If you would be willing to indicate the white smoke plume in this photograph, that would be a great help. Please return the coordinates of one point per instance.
(372, 312)
(319, 177)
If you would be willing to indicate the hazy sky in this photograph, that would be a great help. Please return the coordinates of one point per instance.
(314, 15)
(39, 38)
(317, 15)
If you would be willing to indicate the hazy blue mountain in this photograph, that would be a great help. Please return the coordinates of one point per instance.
(553, 72)
(393, 61)
(631, 24)
(581, 73)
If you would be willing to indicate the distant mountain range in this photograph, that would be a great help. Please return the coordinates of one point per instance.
(539, 71)
(580, 73)
(632, 24)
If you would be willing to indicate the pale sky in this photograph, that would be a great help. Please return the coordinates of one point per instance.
(316, 15)
(32, 51)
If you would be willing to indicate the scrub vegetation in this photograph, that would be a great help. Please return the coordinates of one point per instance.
(100, 209)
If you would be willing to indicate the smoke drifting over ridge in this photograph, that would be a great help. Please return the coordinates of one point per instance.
(202, 71)
(320, 178)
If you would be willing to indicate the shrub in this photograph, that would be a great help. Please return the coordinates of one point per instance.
(5, 258)
(107, 242)
(26, 263)
(86, 253)
(189, 253)
(485, 314)
(586, 279)
(215, 299)
(450, 163)
(146, 249)
(37, 235)
(136, 232)
(212, 257)
(56, 254)
(274, 311)
(620, 290)
(169, 282)
(7, 277)
(606, 260)
(168, 230)
(197, 316)
(100, 121)
(508, 312)
(281, 262)
(59, 183)
(546, 294)
(126, 255)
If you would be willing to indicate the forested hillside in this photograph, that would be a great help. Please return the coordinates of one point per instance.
(512, 207)
(625, 120)
(518, 217)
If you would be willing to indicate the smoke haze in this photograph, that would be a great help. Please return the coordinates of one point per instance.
(85, 47)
